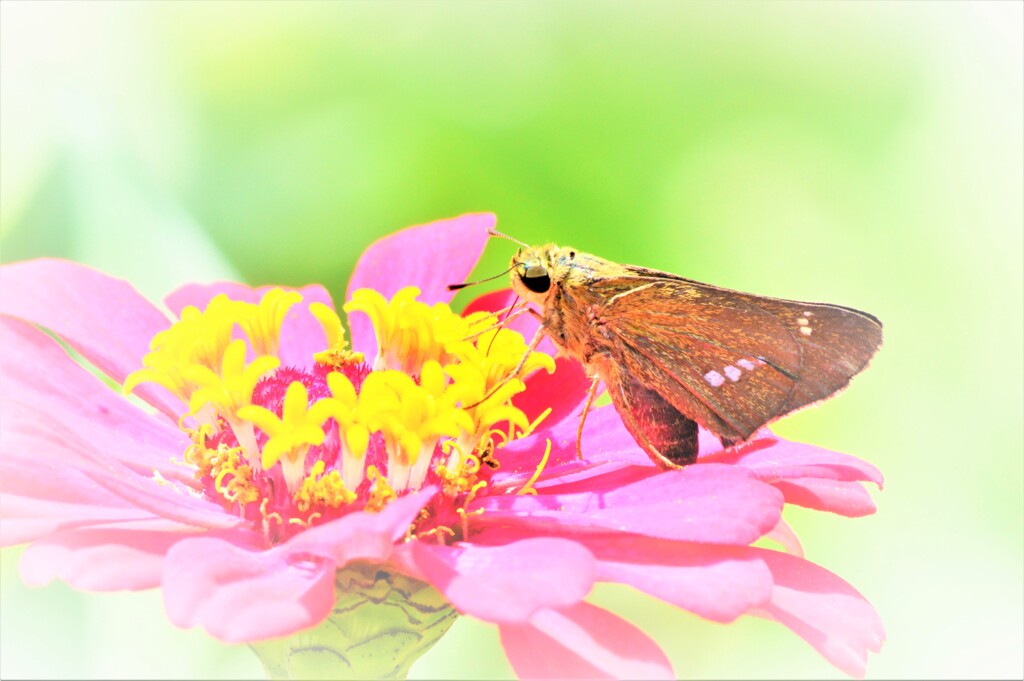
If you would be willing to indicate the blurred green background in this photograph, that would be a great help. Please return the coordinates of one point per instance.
(858, 153)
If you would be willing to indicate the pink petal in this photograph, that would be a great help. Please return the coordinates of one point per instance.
(45, 478)
(823, 610)
(605, 439)
(774, 459)
(361, 536)
(24, 519)
(719, 583)
(783, 535)
(99, 559)
(240, 595)
(707, 504)
(164, 500)
(40, 495)
(429, 256)
(68, 419)
(808, 476)
(564, 391)
(147, 494)
(148, 497)
(43, 386)
(507, 583)
(22, 530)
(500, 300)
(301, 333)
(104, 319)
(582, 641)
(849, 499)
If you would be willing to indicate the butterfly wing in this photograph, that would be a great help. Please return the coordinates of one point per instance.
(668, 436)
(729, 360)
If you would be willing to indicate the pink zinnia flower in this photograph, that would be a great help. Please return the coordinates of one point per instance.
(268, 477)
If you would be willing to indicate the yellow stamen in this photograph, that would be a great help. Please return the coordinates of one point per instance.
(440, 532)
(322, 491)
(159, 479)
(305, 522)
(232, 477)
(528, 487)
(462, 477)
(497, 352)
(267, 517)
(381, 493)
(464, 515)
(439, 380)
(536, 422)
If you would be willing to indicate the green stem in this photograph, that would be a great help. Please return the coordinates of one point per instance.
(380, 625)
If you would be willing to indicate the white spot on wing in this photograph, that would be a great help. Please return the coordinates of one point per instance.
(746, 364)
(806, 330)
(802, 322)
(714, 378)
(732, 373)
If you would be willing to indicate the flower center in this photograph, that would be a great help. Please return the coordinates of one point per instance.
(289, 447)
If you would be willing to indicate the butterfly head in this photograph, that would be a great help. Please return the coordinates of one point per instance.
(536, 272)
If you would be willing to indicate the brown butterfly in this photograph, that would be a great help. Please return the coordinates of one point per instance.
(674, 353)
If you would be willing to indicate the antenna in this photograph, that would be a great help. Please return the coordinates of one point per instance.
(456, 287)
(490, 232)
(496, 233)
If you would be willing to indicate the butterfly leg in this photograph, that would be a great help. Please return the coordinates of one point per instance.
(583, 417)
(537, 337)
(501, 324)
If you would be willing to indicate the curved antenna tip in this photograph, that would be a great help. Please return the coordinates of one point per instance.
(494, 232)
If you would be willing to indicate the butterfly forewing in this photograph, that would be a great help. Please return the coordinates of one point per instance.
(836, 344)
(731, 361)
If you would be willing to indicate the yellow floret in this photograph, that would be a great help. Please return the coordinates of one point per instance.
(262, 323)
(483, 382)
(411, 333)
(290, 436)
(230, 388)
(337, 354)
(354, 436)
(199, 338)
(412, 418)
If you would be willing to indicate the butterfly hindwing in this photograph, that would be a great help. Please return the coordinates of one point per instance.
(667, 435)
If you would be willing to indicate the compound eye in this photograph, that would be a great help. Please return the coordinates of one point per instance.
(536, 279)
